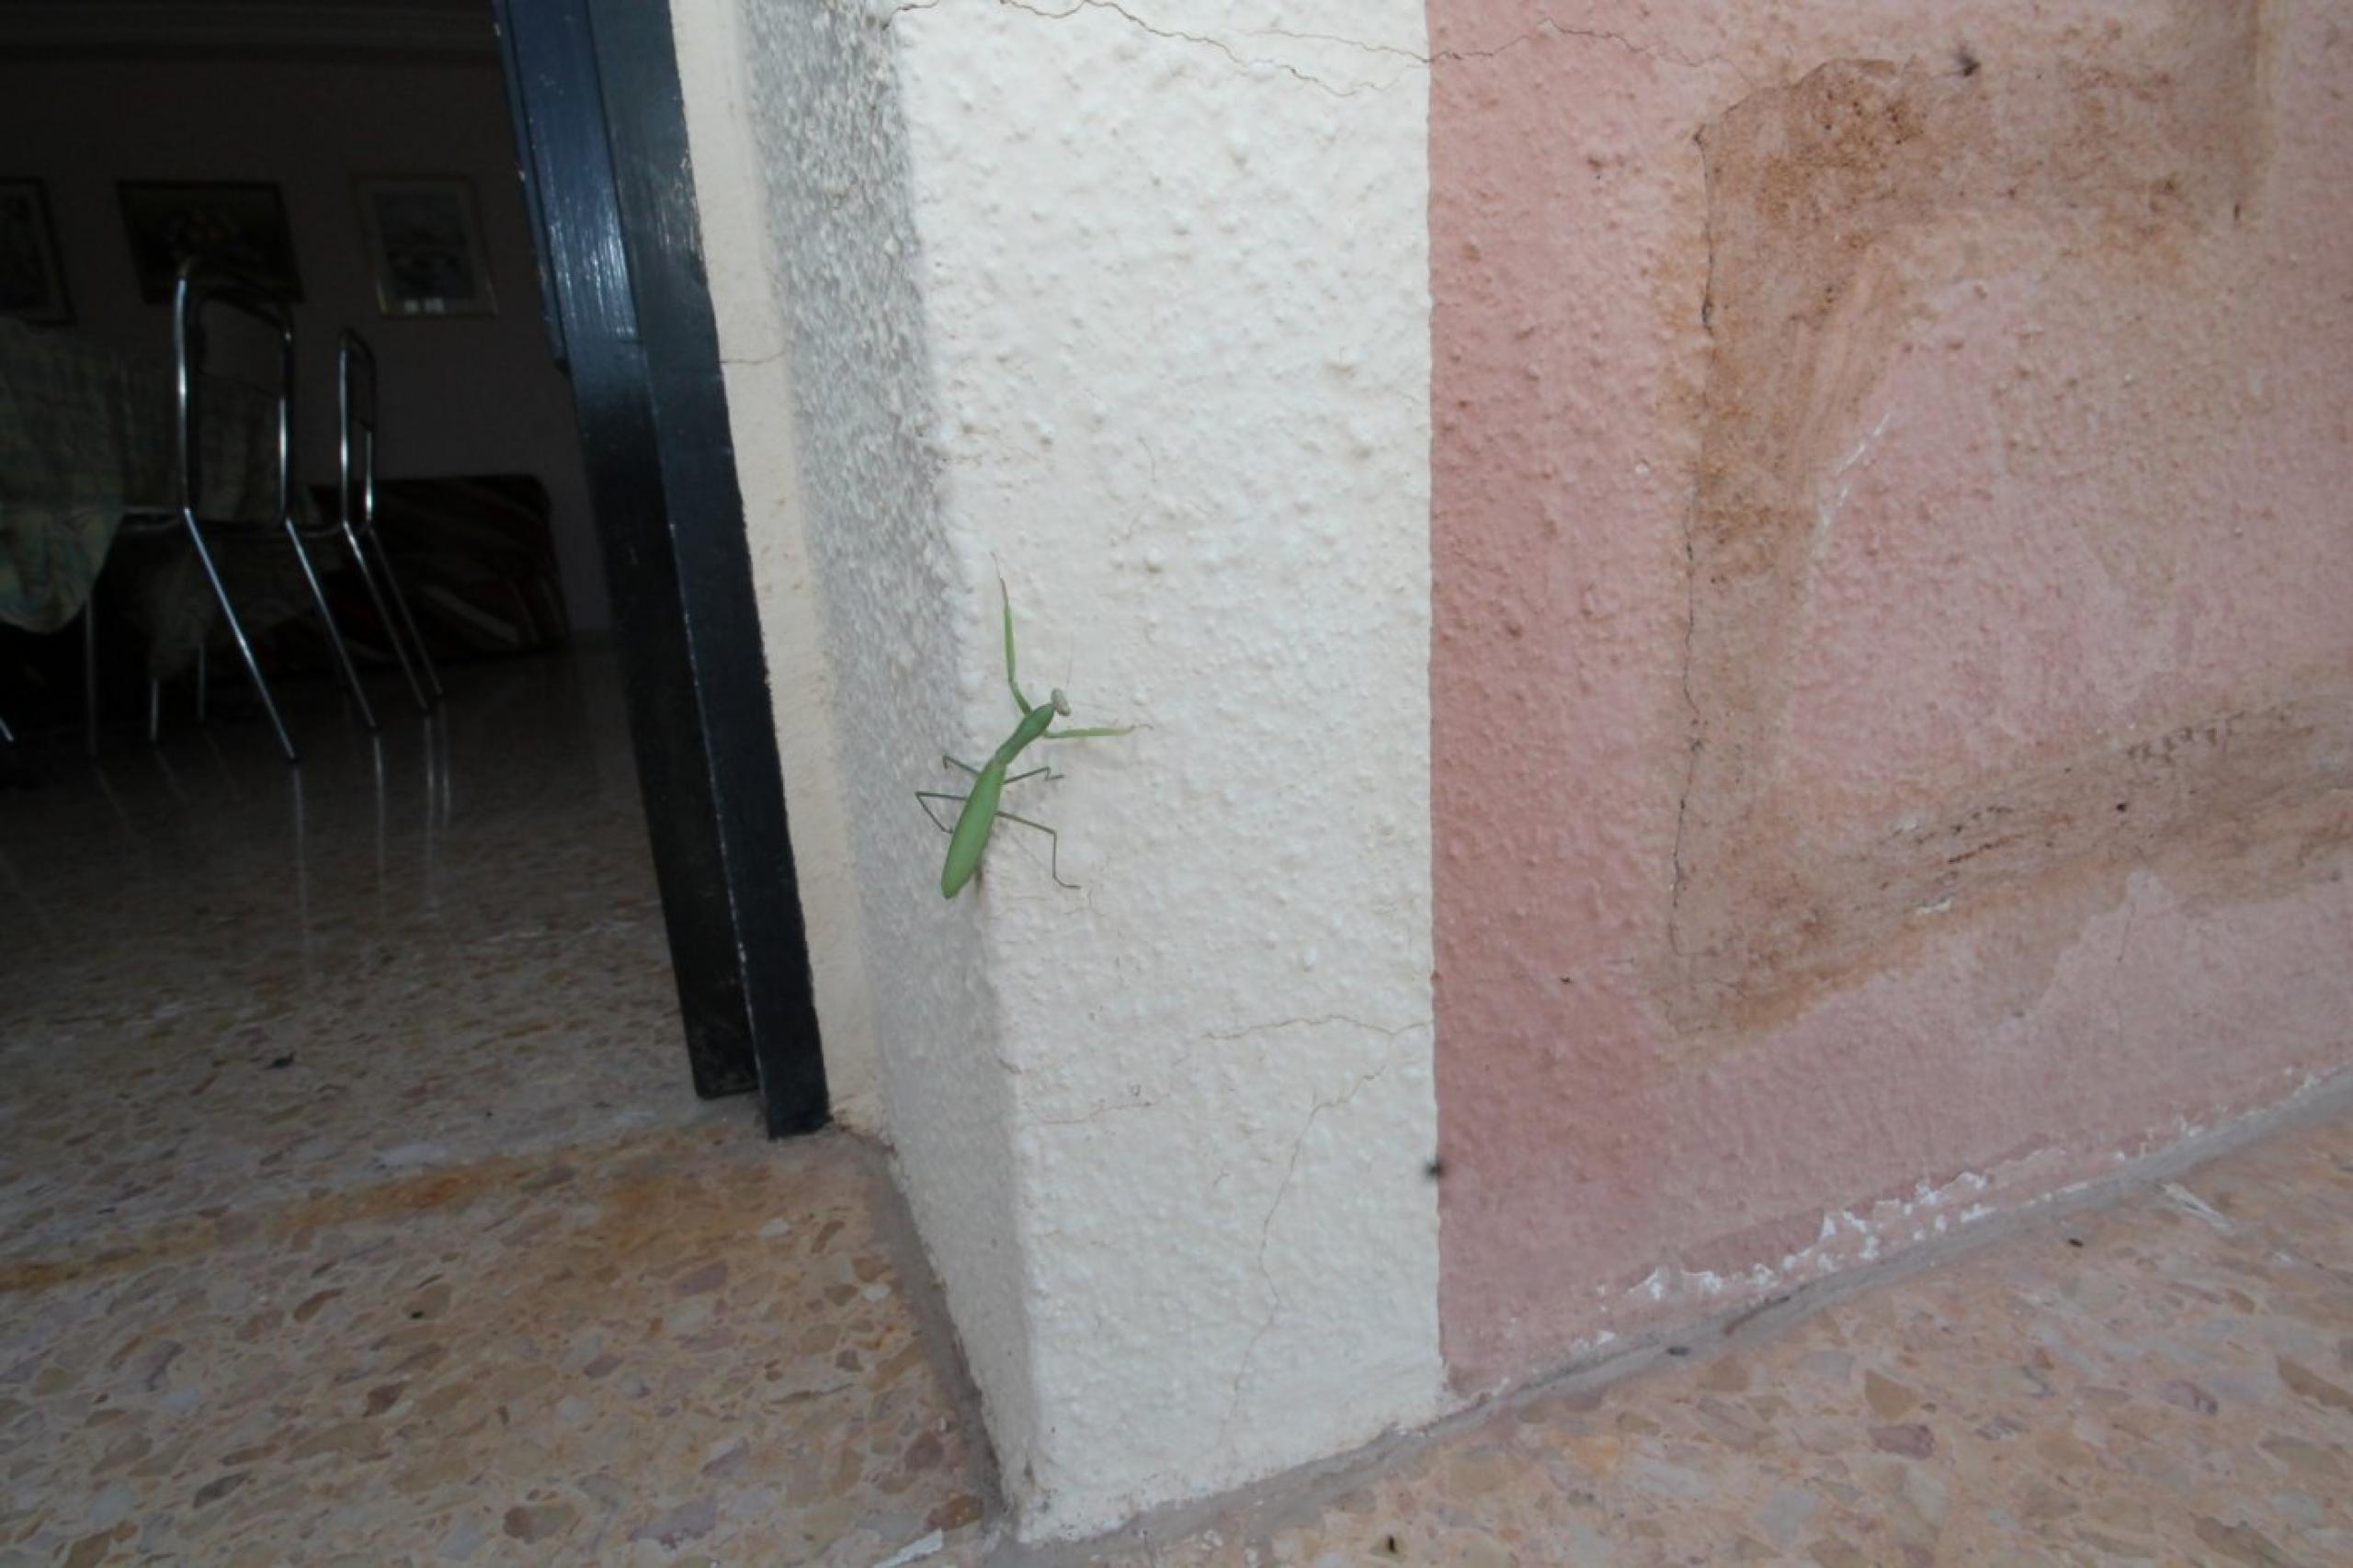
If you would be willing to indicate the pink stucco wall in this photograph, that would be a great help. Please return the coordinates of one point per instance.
(1893, 543)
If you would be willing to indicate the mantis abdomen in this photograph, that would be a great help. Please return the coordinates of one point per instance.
(979, 815)
(973, 826)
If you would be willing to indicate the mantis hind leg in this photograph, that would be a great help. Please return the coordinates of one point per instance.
(1053, 852)
(924, 797)
(1054, 841)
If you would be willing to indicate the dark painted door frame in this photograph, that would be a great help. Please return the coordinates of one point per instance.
(600, 132)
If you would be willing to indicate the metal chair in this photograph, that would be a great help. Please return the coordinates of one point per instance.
(196, 293)
(355, 374)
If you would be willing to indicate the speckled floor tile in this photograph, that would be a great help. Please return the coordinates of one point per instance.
(354, 1205)
(2166, 1381)
(677, 1343)
(224, 981)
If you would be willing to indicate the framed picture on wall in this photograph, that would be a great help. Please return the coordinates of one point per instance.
(425, 244)
(240, 226)
(32, 283)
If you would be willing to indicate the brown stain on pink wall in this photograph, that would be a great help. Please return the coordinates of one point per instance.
(1834, 205)
(1729, 935)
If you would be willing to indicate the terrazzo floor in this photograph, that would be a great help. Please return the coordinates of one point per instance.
(354, 1205)
(2168, 1379)
(357, 1210)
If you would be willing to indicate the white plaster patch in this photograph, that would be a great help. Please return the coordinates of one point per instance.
(1848, 1237)
(1845, 1237)
(2184, 1199)
(1176, 288)
(1836, 488)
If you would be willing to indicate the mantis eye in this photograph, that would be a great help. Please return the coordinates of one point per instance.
(1062, 703)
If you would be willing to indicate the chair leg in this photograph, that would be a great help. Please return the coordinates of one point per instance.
(334, 632)
(408, 621)
(383, 614)
(236, 631)
(8, 735)
(90, 669)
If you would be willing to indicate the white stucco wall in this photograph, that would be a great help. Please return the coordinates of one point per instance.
(851, 554)
(1129, 304)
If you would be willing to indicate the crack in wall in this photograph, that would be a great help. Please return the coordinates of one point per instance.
(2123, 953)
(1276, 1299)
(1546, 26)
(1172, 35)
(1249, 1030)
(1097, 1114)
(1184, 1057)
(1267, 1228)
(1694, 719)
(1203, 39)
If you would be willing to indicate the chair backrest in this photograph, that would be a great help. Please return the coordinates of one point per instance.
(199, 291)
(355, 376)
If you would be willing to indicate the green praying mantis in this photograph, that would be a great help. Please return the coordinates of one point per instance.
(970, 837)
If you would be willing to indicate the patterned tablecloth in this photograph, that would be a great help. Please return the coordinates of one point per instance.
(85, 437)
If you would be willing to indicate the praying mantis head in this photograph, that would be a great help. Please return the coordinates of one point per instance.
(1062, 703)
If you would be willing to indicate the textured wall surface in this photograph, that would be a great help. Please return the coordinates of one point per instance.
(1137, 315)
(1891, 652)
(857, 499)
(1176, 280)
(734, 134)
(1834, 618)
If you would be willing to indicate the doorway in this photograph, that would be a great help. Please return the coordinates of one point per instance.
(583, 365)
